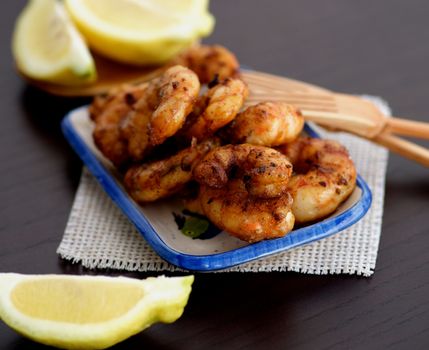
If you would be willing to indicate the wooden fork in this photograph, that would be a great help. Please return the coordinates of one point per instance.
(341, 112)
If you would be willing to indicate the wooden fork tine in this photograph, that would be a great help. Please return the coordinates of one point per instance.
(285, 96)
(302, 101)
(270, 85)
(303, 105)
(268, 80)
(257, 91)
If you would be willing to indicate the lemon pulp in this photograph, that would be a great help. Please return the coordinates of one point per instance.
(92, 302)
(141, 31)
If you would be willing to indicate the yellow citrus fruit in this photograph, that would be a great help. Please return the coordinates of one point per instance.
(141, 31)
(46, 45)
(88, 312)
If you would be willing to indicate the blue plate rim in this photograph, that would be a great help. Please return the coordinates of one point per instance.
(218, 261)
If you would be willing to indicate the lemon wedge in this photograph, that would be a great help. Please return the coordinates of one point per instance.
(88, 312)
(46, 45)
(141, 31)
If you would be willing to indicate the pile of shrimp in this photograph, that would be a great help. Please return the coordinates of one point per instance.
(249, 171)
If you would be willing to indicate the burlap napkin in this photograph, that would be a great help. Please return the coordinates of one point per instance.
(98, 235)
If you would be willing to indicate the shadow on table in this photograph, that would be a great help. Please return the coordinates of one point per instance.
(414, 187)
(44, 113)
(139, 341)
(241, 310)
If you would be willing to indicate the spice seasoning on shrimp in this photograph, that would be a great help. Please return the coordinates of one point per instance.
(164, 135)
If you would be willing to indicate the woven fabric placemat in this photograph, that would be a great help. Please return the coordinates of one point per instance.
(98, 235)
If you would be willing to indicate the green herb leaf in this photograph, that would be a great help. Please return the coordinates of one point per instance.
(194, 227)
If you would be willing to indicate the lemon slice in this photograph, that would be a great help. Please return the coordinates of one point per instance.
(141, 31)
(47, 46)
(88, 312)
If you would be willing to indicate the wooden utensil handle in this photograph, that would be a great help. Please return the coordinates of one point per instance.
(405, 148)
(407, 128)
(342, 122)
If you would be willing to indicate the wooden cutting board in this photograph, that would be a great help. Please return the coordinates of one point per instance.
(111, 74)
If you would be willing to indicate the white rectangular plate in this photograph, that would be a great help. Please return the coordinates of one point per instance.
(157, 225)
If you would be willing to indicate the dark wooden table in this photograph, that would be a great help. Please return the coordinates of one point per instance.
(375, 47)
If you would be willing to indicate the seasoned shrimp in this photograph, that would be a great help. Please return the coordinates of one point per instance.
(102, 101)
(215, 109)
(325, 177)
(163, 178)
(265, 172)
(98, 104)
(210, 62)
(161, 111)
(246, 217)
(108, 115)
(266, 124)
